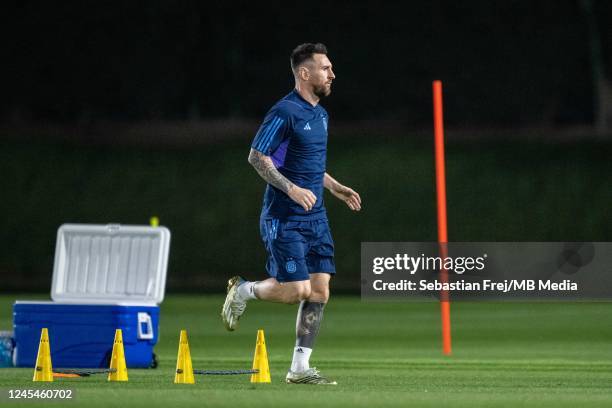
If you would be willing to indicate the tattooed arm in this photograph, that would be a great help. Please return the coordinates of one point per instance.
(344, 193)
(264, 166)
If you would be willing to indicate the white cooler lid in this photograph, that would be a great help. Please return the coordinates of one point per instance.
(110, 263)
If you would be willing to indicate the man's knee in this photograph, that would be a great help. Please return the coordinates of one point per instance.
(319, 283)
(320, 294)
(299, 291)
(303, 293)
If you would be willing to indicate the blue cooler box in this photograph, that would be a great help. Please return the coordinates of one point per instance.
(105, 277)
(81, 336)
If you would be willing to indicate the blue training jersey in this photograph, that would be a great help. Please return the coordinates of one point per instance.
(294, 135)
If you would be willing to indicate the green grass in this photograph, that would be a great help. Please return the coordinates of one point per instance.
(382, 354)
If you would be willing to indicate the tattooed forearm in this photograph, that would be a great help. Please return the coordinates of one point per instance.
(264, 166)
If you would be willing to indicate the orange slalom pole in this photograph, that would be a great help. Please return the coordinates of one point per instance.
(441, 206)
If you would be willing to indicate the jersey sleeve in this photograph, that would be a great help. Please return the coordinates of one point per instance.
(272, 132)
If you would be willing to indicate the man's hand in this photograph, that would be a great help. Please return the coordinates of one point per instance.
(344, 193)
(349, 196)
(302, 196)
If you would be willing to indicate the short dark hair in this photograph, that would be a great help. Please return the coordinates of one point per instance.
(304, 51)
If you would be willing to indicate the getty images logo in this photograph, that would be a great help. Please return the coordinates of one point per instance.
(413, 264)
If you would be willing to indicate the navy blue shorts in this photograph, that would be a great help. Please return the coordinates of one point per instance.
(297, 248)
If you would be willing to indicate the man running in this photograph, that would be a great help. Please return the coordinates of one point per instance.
(289, 153)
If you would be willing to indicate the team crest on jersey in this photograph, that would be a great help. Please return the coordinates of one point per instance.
(291, 266)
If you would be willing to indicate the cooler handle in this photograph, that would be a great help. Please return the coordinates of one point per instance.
(145, 318)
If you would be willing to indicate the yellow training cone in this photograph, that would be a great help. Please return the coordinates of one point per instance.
(43, 371)
(154, 221)
(260, 360)
(184, 368)
(117, 365)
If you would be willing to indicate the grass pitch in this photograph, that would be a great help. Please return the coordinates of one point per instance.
(381, 354)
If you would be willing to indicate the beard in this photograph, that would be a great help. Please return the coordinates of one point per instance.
(322, 91)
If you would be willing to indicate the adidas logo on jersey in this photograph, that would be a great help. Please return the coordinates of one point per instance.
(307, 127)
